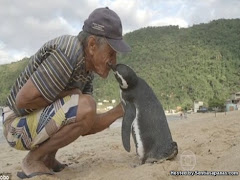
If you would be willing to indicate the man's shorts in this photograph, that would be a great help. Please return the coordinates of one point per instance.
(28, 132)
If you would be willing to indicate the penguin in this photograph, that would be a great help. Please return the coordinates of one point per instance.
(144, 117)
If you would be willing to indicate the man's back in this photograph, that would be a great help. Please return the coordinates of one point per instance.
(51, 69)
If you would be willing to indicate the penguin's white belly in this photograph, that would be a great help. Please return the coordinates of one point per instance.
(122, 98)
(140, 149)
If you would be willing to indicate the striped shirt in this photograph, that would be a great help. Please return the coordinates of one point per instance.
(57, 66)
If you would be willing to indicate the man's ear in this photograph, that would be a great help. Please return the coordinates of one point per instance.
(91, 44)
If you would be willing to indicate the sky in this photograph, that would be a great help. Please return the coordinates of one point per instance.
(25, 25)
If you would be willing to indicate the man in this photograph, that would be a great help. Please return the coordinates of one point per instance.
(50, 104)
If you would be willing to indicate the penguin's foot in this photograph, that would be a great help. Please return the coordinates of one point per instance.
(155, 161)
(174, 151)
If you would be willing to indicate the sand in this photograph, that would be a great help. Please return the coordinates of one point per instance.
(206, 143)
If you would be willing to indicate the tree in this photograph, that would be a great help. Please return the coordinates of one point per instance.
(217, 104)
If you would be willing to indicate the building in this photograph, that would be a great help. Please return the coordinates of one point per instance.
(235, 98)
(233, 103)
(197, 105)
(231, 107)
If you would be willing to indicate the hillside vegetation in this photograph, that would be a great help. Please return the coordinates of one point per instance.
(201, 62)
(8, 75)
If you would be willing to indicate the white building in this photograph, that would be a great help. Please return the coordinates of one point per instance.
(197, 105)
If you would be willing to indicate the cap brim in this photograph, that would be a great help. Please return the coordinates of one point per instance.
(119, 45)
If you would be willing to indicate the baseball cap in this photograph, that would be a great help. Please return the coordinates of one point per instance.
(105, 22)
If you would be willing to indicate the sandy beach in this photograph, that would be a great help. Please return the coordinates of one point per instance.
(206, 143)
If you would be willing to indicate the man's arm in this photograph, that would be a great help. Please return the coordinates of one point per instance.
(29, 97)
(104, 120)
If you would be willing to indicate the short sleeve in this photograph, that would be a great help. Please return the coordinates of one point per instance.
(52, 76)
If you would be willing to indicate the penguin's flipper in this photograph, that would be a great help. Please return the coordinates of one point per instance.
(129, 116)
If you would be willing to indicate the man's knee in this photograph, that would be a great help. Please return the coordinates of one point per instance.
(86, 105)
(86, 113)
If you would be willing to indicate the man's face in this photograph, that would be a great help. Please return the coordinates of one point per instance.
(103, 54)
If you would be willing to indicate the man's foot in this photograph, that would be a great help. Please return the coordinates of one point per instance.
(31, 166)
(57, 166)
(22, 175)
(52, 163)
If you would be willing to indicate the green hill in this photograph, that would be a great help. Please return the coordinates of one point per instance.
(8, 75)
(180, 64)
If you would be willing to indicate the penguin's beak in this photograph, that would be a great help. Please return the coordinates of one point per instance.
(113, 67)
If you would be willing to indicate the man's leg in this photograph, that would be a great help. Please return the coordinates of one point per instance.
(102, 121)
(86, 115)
(52, 163)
